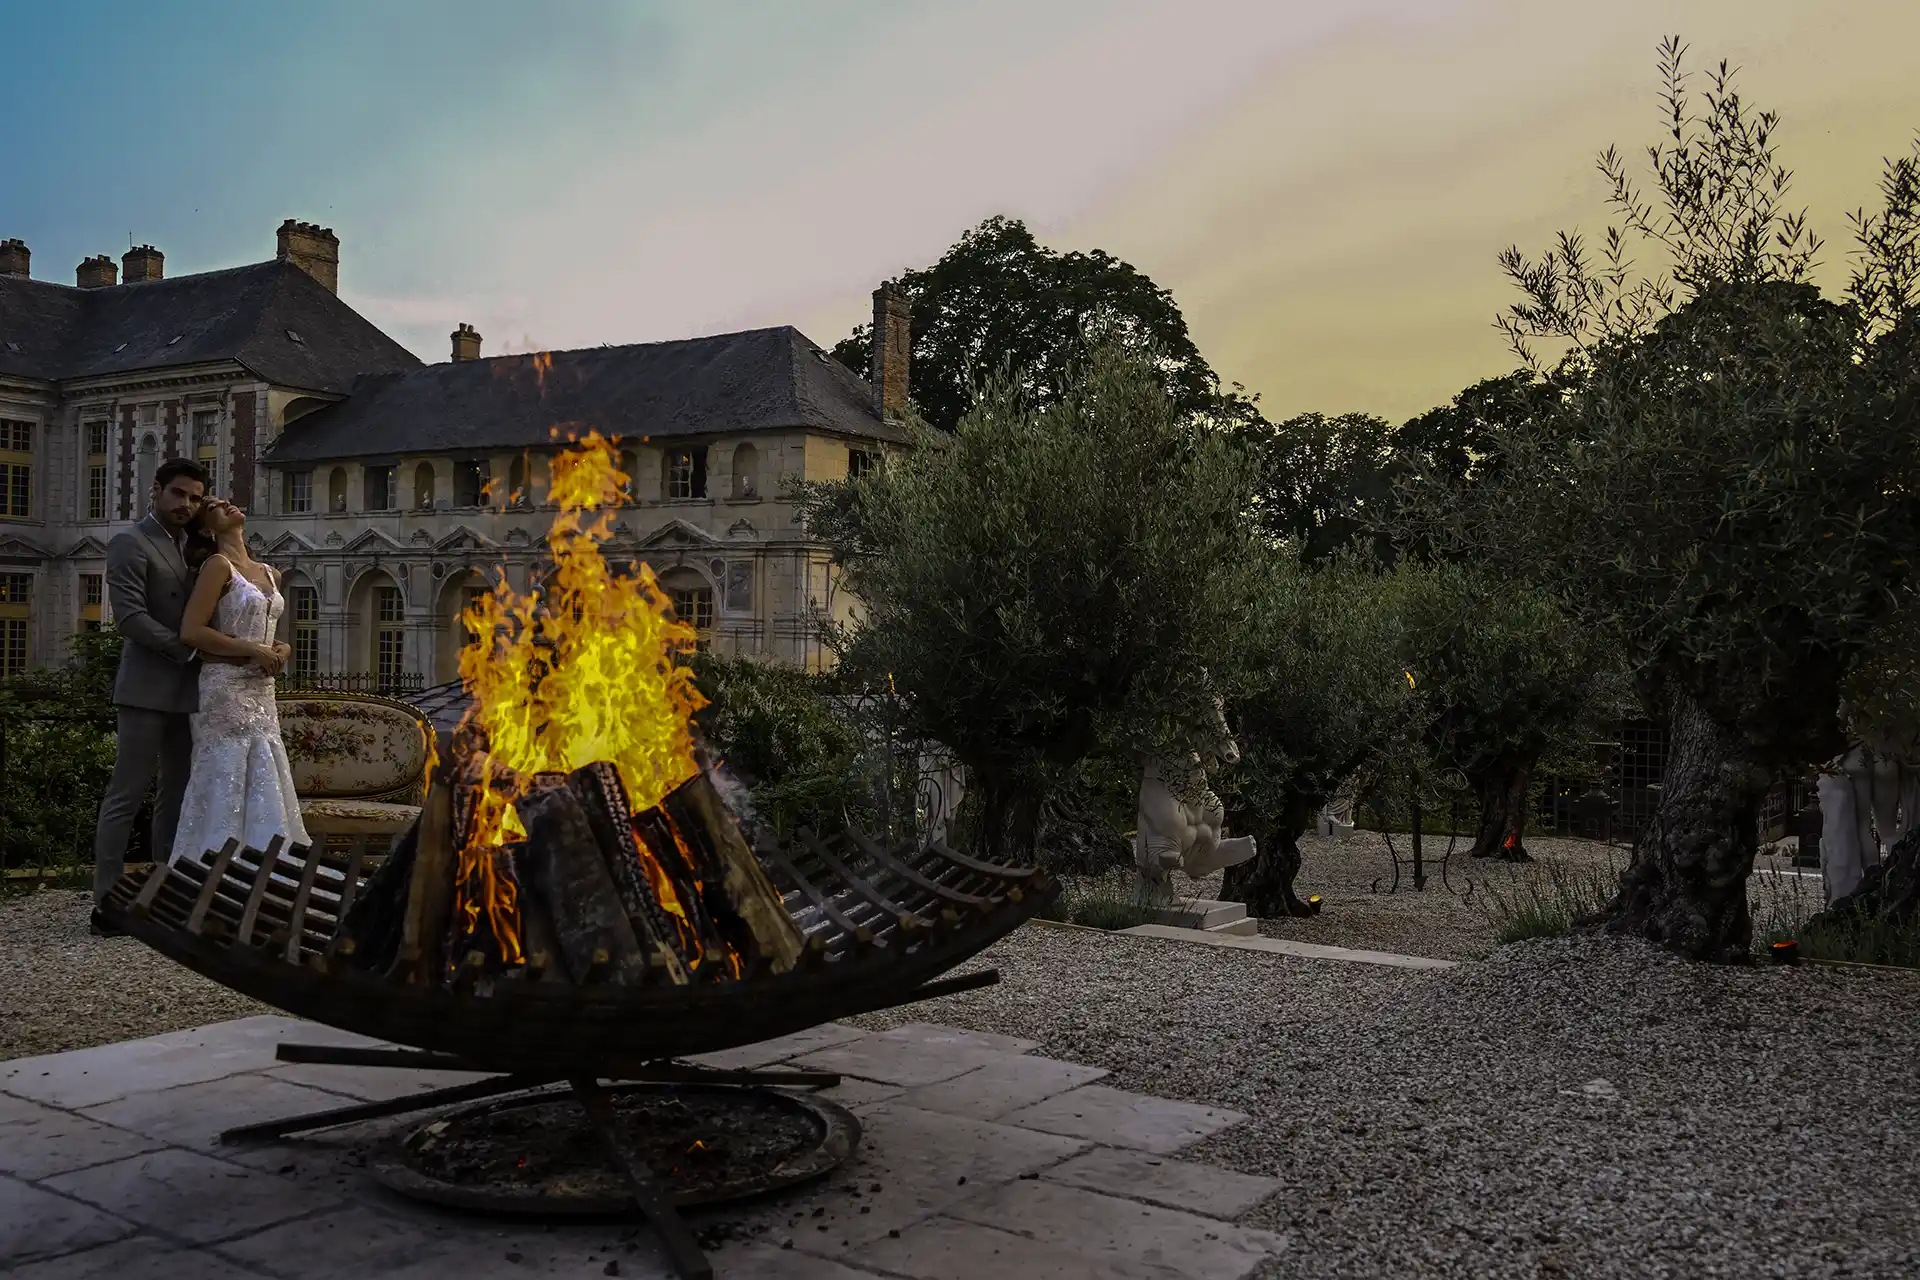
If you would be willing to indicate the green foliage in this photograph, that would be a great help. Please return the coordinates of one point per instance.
(999, 302)
(1051, 578)
(1325, 484)
(1506, 675)
(778, 733)
(1324, 687)
(1724, 495)
(58, 730)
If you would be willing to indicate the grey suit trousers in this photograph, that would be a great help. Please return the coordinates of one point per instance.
(149, 742)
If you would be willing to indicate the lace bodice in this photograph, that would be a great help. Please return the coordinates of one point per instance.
(246, 612)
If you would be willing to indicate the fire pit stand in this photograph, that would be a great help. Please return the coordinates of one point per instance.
(655, 1201)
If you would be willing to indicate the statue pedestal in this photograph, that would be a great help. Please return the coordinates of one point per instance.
(1208, 914)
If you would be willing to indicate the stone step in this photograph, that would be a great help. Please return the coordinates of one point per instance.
(1201, 913)
(1245, 927)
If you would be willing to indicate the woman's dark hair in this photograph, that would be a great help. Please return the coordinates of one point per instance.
(200, 543)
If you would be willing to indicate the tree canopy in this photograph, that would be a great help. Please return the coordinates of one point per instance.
(999, 302)
(1055, 574)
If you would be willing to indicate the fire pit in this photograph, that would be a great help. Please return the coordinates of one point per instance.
(541, 1155)
(578, 902)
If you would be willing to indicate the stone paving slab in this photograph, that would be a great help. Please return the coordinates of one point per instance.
(368, 1084)
(912, 1055)
(1120, 1119)
(909, 1164)
(1287, 947)
(1172, 1184)
(781, 1048)
(36, 1223)
(948, 1249)
(136, 1258)
(121, 1176)
(1107, 1228)
(194, 1115)
(1001, 1086)
(39, 1141)
(87, 1077)
(190, 1196)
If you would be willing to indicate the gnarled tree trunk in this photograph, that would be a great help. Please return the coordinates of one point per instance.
(1265, 884)
(1686, 888)
(1007, 819)
(1503, 812)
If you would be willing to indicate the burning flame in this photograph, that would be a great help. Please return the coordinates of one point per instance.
(581, 673)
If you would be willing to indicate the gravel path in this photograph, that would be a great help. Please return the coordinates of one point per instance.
(1455, 920)
(1580, 1107)
(62, 988)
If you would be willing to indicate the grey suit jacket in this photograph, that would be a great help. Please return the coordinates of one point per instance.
(148, 584)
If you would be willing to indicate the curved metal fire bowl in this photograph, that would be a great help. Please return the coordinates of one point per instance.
(798, 1139)
(880, 925)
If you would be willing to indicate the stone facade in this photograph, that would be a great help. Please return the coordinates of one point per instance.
(380, 554)
(390, 555)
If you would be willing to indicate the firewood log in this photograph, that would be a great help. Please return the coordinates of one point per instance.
(702, 817)
(661, 933)
(430, 891)
(566, 870)
(369, 938)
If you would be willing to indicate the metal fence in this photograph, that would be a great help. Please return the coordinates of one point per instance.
(1631, 782)
(392, 686)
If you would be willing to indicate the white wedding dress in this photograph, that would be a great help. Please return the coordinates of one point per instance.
(240, 787)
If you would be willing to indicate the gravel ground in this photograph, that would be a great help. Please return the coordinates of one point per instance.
(1455, 919)
(1576, 1107)
(62, 988)
(1581, 1107)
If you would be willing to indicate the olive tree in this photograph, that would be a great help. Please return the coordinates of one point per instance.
(1049, 578)
(1724, 483)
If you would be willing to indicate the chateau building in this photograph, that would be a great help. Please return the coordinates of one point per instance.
(389, 491)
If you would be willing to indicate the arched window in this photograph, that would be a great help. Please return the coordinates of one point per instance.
(337, 489)
(517, 495)
(746, 472)
(423, 485)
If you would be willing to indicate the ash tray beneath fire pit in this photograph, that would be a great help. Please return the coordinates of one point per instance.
(541, 1155)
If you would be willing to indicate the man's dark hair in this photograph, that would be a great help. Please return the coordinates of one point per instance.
(173, 468)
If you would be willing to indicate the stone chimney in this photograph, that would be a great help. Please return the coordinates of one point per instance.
(13, 258)
(97, 272)
(892, 346)
(313, 249)
(143, 263)
(466, 343)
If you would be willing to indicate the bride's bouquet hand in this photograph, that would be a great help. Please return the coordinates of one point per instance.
(269, 658)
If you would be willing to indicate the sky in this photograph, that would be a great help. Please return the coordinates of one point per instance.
(1324, 187)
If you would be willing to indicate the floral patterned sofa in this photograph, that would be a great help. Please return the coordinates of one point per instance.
(359, 763)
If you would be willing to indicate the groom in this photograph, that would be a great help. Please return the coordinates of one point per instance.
(158, 684)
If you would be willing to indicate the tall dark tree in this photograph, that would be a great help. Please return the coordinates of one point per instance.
(1001, 302)
(1725, 484)
(1325, 483)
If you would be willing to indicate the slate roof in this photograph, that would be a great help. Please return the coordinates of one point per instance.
(761, 379)
(241, 314)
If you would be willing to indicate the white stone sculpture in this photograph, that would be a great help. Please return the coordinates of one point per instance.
(1874, 786)
(1336, 819)
(1180, 818)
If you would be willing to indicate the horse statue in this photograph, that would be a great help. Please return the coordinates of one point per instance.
(1875, 784)
(1180, 818)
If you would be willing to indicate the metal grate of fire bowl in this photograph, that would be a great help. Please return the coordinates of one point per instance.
(543, 1155)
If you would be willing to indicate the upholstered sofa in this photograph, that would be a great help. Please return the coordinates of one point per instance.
(359, 763)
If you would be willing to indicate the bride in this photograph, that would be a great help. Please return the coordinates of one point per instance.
(240, 786)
